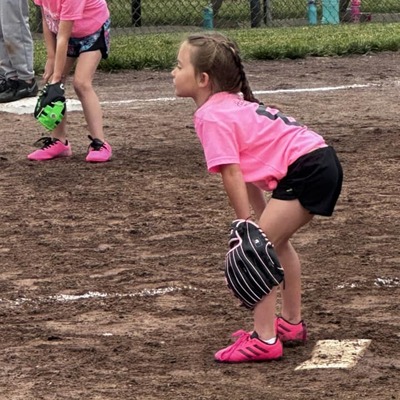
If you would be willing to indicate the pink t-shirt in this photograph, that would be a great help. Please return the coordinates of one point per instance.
(260, 139)
(88, 15)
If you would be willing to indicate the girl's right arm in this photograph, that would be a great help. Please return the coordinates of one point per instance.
(236, 190)
(50, 43)
(64, 33)
(56, 47)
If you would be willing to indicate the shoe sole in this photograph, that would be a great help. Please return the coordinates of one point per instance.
(98, 161)
(18, 98)
(248, 361)
(53, 158)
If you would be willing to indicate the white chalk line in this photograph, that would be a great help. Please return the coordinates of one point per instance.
(26, 106)
(380, 282)
(97, 295)
(157, 99)
(318, 89)
(326, 354)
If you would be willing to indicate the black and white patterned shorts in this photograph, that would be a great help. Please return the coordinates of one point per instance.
(100, 40)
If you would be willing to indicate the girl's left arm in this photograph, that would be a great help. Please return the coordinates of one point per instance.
(236, 190)
(64, 33)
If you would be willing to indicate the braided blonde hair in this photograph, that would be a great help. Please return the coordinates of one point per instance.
(219, 57)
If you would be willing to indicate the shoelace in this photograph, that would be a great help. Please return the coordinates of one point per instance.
(45, 142)
(96, 144)
(242, 336)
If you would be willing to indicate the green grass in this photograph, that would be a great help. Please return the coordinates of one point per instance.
(158, 51)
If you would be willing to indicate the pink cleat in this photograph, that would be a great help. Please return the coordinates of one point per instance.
(50, 148)
(290, 334)
(249, 348)
(98, 151)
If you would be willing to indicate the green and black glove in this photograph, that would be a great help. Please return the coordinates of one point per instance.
(51, 105)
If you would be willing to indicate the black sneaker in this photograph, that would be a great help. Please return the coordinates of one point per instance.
(18, 89)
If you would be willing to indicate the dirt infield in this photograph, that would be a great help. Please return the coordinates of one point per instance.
(111, 275)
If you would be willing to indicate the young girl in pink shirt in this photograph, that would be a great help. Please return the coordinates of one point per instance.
(256, 148)
(75, 32)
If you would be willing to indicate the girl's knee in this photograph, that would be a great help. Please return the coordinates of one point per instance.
(282, 246)
(82, 86)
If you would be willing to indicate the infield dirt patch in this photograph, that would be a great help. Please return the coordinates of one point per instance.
(111, 275)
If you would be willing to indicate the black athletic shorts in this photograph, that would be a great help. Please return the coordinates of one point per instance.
(315, 179)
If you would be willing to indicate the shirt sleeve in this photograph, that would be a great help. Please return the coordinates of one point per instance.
(219, 144)
(72, 10)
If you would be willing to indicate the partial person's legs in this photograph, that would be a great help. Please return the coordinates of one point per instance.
(5, 63)
(99, 149)
(56, 145)
(17, 36)
(83, 77)
(16, 51)
(280, 220)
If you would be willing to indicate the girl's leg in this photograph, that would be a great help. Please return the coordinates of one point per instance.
(280, 220)
(83, 78)
(60, 132)
(53, 149)
(291, 292)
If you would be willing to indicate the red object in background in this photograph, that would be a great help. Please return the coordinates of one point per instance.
(355, 10)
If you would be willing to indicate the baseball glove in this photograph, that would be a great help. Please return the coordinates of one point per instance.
(50, 106)
(252, 268)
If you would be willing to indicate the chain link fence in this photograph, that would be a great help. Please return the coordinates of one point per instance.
(144, 16)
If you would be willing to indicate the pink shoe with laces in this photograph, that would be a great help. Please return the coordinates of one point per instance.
(98, 151)
(290, 334)
(249, 348)
(50, 148)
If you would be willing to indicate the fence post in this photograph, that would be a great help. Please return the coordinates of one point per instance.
(267, 12)
(255, 13)
(136, 7)
(343, 6)
(216, 5)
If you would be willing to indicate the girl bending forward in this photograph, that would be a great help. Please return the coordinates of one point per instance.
(255, 149)
(75, 31)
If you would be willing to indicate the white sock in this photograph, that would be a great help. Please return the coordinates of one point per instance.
(270, 341)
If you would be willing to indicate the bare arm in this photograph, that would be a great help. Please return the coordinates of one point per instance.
(56, 48)
(50, 43)
(256, 198)
(236, 190)
(64, 33)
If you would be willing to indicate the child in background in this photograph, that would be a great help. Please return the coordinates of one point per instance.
(255, 149)
(75, 31)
